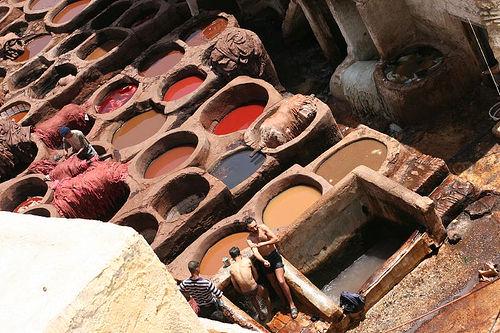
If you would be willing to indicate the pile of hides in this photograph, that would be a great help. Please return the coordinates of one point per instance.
(95, 194)
(69, 168)
(16, 149)
(291, 118)
(71, 115)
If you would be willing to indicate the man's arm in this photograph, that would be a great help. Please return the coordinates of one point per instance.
(257, 254)
(235, 285)
(214, 290)
(272, 238)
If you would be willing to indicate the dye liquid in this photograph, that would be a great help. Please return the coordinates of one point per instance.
(18, 116)
(368, 152)
(138, 129)
(185, 206)
(168, 161)
(27, 204)
(43, 4)
(163, 65)
(182, 88)
(34, 47)
(207, 33)
(70, 11)
(286, 207)
(116, 98)
(237, 167)
(212, 261)
(102, 49)
(239, 119)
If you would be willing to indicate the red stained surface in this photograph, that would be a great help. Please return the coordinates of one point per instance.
(239, 119)
(182, 88)
(116, 98)
(28, 203)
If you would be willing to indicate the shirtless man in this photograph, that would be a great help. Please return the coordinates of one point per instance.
(244, 279)
(262, 240)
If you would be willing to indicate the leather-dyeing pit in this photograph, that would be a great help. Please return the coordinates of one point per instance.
(22, 193)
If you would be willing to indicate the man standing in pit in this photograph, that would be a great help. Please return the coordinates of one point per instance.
(78, 142)
(203, 291)
(244, 279)
(262, 241)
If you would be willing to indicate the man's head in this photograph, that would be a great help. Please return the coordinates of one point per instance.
(234, 252)
(65, 132)
(250, 224)
(194, 267)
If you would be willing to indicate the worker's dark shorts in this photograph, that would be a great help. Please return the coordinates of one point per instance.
(275, 260)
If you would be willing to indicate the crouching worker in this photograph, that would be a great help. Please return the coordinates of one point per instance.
(244, 279)
(78, 142)
(204, 292)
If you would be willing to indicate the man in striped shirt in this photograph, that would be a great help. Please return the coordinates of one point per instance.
(203, 291)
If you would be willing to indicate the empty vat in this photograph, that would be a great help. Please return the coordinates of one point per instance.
(145, 224)
(206, 33)
(237, 167)
(286, 207)
(70, 11)
(102, 49)
(240, 118)
(116, 98)
(185, 206)
(212, 260)
(413, 65)
(168, 161)
(183, 87)
(138, 129)
(369, 152)
(43, 4)
(163, 65)
(33, 47)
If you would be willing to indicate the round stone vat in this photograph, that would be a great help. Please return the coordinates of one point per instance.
(70, 11)
(138, 129)
(72, 42)
(213, 259)
(115, 95)
(44, 210)
(144, 223)
(101, 49)
(338, 163)
(160, 60)
(18, 27)
(42, 5)
(183, 84)
(110, 14)
(28, 74)
(15, 111)
(4, 11)
(34, 47)
(138, 15)
(413, 64)
(172, 151)
(51, 78)
(205, 31)
(23, 193)
(101, 44)
(235, 108)
(236, 167)
(181, 196)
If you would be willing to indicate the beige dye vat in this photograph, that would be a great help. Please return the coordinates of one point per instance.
(368, 152)
(70, 11)
(43, 4)
(168, 161)
(163, 65)
(138, 129)
(212, 261)
(286, 207)
(103, 49)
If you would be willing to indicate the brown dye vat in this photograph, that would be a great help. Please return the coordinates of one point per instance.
(207, 33)
(138, 129)
(101, 50)
(368, 152)
(286, 207)
(70, 11)
(163, 65)
(43, 4)
(18, 116)
(212, 261)
(185, 206)
(168, 161)
(34, 47)
(182, 88)
(27, 204)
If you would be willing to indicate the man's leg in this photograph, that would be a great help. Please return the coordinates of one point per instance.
(280, 276)
(256, 305)
(262, 292)
(271, 277)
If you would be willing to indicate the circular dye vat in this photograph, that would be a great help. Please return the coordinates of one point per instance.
(43, 4)
(239, 119)
(163, 65)
(185, 206)
(413, 65)
(237, 167)
(207, 33)
(70, 11)
(138, 129)
(212, 261)
(368, 152)
(286, 207)
(168, 161)
(116, 98)
(182, 88)
(34, 47)
(27, 204)
(18, 116)
(102, 49)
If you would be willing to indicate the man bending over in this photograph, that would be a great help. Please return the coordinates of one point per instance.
(78, 142)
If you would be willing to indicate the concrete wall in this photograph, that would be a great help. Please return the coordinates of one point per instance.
(84, 276)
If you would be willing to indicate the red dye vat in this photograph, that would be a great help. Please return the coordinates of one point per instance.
(182, 88)
(116, 98)
(27, 204)
(239, 119)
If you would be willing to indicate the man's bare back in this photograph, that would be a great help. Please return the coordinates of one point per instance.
(241, 272)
